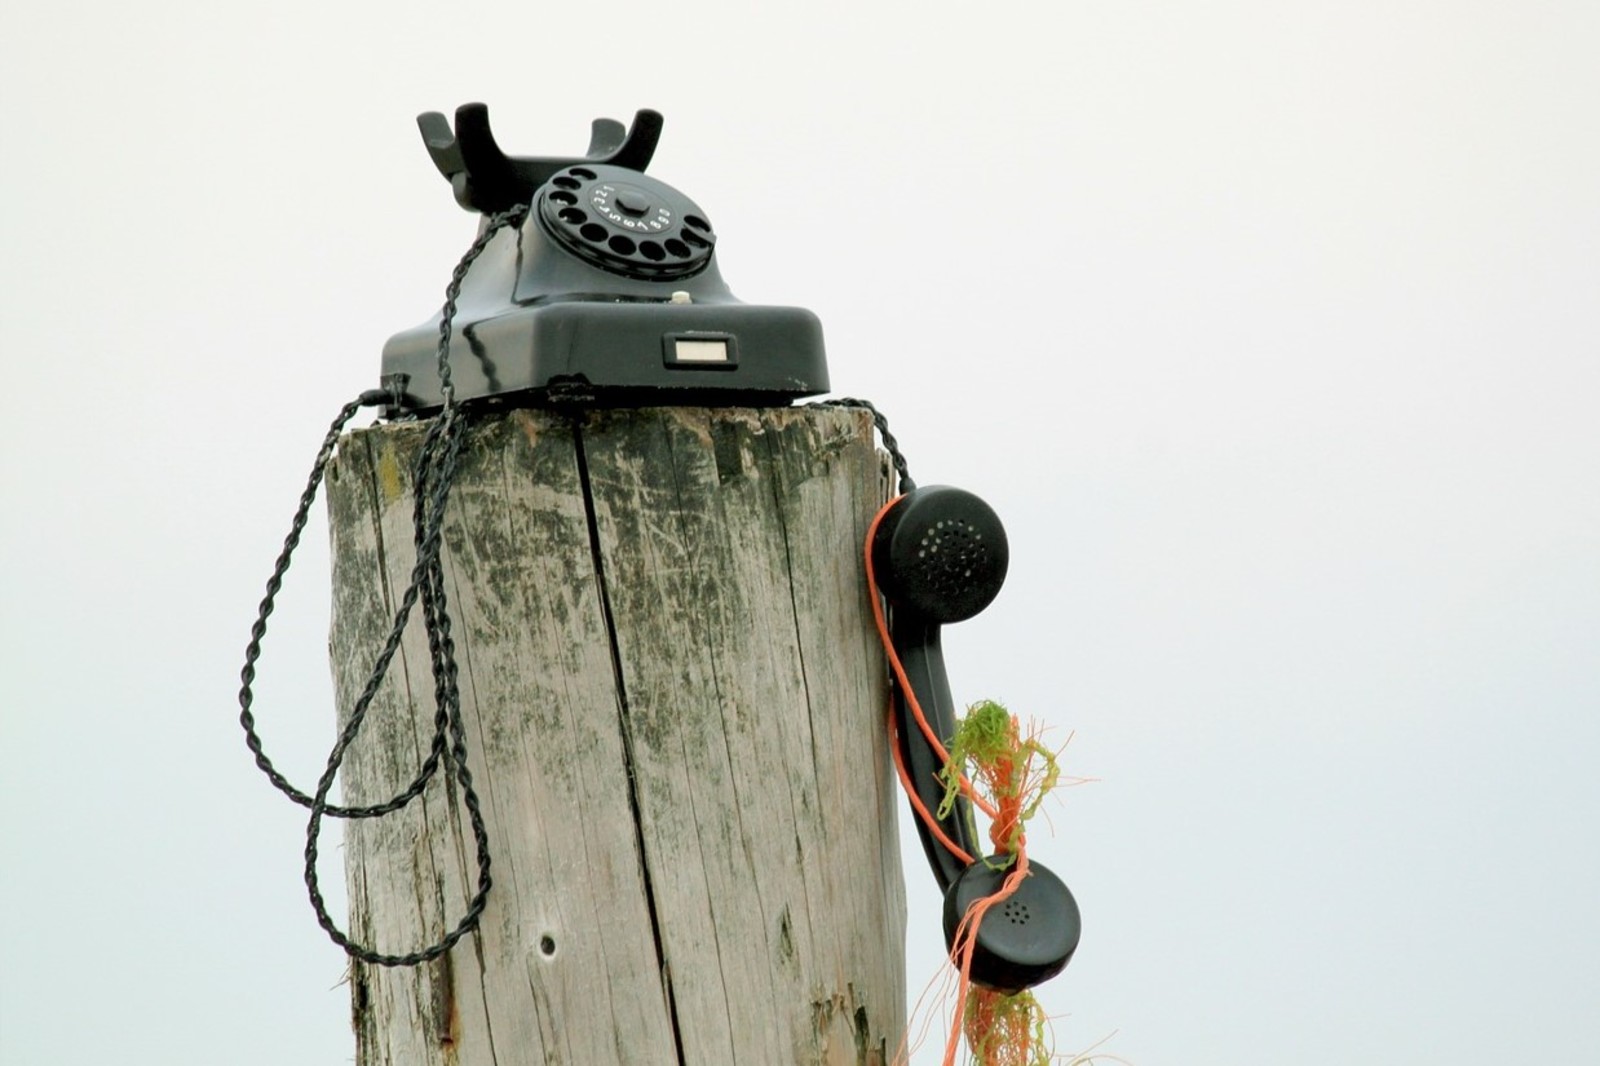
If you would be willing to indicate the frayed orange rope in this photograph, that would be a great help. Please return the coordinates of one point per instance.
(1001, 1028)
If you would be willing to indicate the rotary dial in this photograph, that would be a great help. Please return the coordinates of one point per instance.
(626, 222)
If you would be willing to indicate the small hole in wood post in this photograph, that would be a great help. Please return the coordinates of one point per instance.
(547, 946)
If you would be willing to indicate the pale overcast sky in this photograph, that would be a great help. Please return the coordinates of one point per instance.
(1271, 329)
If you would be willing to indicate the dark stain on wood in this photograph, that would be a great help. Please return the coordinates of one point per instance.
(727, 446)
(445, 1015)
(786, 937)
(866, 1053)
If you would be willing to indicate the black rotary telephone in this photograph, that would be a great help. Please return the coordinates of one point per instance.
(939, 555)
(607, 292)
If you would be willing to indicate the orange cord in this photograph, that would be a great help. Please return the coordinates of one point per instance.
(927, 816)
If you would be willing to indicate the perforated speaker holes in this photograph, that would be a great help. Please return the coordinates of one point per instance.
(951, 550)
(1015, 912)
(626, 222)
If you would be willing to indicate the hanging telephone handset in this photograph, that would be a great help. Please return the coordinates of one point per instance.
(939, 555)
(606, 292)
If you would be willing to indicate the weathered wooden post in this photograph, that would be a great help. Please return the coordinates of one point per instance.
(667, 666)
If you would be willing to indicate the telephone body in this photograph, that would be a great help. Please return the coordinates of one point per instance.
(606, 292)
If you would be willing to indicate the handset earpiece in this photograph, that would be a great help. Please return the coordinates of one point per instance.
(939, 555)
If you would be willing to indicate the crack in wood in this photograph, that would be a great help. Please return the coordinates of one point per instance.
(627, 738)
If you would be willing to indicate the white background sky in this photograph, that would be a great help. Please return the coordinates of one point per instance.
(1270, 330)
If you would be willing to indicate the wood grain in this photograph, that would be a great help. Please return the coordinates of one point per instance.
(677, 739)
